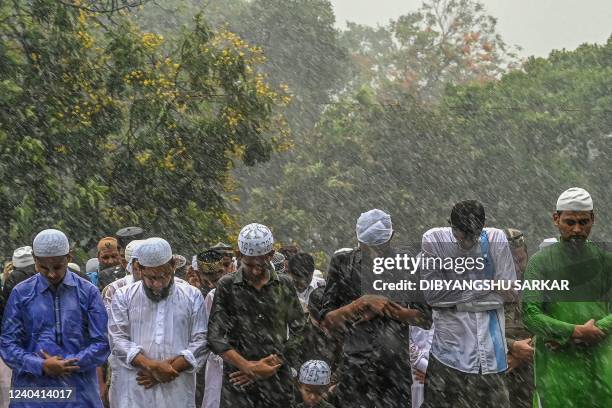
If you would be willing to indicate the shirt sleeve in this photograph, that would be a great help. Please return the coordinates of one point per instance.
(296, 322)
(97, 351)
(196, 352)
(122, 345)
(535, 318)
(107, 296)
(336, 289)
(430, 272)
(220, 321)
(13, 338)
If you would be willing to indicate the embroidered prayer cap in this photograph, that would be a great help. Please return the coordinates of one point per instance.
(50, 242)
(374, 227)
(575, 199)
(153, 252)
(315, 372)
(107, 243)
(131, 247)
(180, 261)
(278, 261)
(22, 257)
(255, 240)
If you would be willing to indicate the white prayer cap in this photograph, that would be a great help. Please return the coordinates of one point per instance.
(74, 267)
(92, 265)
(129, 248)
(255, 240)
(315, 372)
(180, 261)
(22, 257)
(547, 242)
(50, 242)
(153, 252)
(575, 199)
(374, 227)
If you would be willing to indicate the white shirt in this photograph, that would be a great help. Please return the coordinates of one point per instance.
(161, 330)
(315, 283)
(420, 345)
(471, 342)
(213, 379)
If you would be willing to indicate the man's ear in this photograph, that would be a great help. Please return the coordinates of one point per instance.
(556, 217)
(269, 255)
(68, 258)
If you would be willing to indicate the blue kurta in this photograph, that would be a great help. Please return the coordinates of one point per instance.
(71, 323)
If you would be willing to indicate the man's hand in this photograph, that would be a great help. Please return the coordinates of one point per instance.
(588, 333)
(55, 366)
(368, 307)
(255, 370)
(146, 379)
(420, 376)
(162, 371)
(522, 350)
(513, 363)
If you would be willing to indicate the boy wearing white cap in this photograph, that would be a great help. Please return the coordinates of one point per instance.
(54, 329)
(313, 383)
(157, 328)
(572, 328)
(255, 323)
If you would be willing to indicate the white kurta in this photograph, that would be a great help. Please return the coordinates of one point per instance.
(161, 330)
(214, 369)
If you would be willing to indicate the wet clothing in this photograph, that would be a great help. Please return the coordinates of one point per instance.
(257, 323)
(174, 326)
(376, 360)
(67, 321)
(466, 338)
(520, 380)
(322, 404)
(16, 276)
(446, 388)
(110, 275)
(574, 371)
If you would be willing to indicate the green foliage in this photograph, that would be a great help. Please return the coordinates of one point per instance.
(104, 125)
(515, 144)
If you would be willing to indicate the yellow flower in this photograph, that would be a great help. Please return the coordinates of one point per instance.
(151, 41)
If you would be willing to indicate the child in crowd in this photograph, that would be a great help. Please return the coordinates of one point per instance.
(313, 383)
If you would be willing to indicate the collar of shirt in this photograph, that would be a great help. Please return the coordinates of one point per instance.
(43, 285)
(239, 278)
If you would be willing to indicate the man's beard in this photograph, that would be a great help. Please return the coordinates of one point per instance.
(162, 295)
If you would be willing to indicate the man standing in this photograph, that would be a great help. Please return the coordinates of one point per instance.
(133, 275)
(255, 323)
(519, 377)
(573, 344)
(54, 328)
(158, 334)
(301, 268)
(376, 368)
(468, 352)
(111, 264)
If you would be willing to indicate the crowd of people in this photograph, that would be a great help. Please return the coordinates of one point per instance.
(255, 326)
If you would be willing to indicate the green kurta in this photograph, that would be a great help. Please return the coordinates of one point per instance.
(574, 375)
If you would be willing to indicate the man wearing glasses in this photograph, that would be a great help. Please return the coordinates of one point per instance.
(468, 353)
